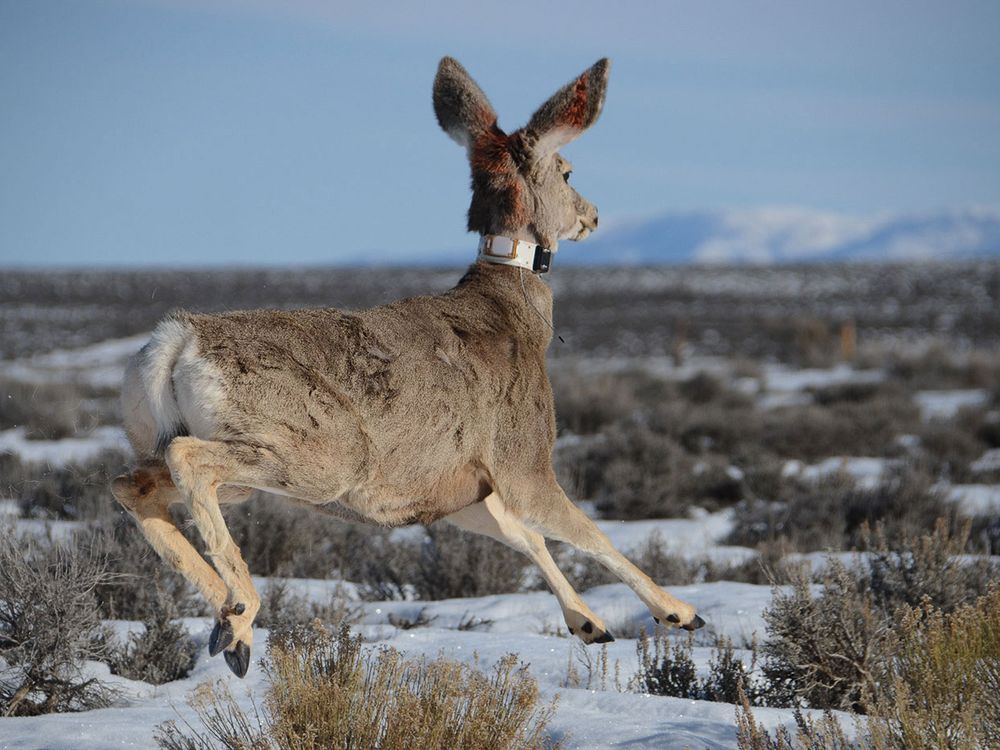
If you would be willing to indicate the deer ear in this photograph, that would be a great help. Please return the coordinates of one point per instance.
(462, 109)
(572, 109)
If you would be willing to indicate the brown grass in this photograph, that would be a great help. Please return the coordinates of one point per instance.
(829, 649)
(824, 733)
(943, 689)
(938, 689)
(325, 691)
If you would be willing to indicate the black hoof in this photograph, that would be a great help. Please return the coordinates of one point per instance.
(222, 636)
(239, 659)
(696, 623)
(605, 638)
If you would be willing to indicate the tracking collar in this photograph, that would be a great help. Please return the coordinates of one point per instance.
(520, 253)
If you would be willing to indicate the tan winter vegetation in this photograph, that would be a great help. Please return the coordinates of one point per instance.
(326, 692)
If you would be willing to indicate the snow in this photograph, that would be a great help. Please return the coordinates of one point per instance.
(587, 718)
(976, 499)
(529, 624)
(786, 379)
(989, 461)
(693, 538)
(101, 364)
(946, 404)
(65, 451)
(866, 472)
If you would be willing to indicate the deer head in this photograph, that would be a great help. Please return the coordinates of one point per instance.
(520, 183)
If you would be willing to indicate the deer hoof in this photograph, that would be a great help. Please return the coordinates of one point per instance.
(238, 659)
(222, 636)
(589, 633)
(696, 623)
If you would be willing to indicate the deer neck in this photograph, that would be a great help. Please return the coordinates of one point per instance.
(517, 297)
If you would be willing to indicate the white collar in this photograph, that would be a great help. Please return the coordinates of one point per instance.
(520, 253)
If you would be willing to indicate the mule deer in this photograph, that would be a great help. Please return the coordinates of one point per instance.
(429, 408)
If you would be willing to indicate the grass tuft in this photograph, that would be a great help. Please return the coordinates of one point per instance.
(324, 690)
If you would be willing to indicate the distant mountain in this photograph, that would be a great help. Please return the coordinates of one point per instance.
(792, 235)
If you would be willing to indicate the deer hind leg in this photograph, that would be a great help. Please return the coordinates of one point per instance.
(491, 519)
(147, 494)
(556, 517)
(198, 467)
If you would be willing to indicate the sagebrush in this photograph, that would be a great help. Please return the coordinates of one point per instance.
(325, 690)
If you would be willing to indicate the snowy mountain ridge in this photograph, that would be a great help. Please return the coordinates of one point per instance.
(793, 235)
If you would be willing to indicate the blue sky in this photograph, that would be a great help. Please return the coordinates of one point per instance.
(301, 132)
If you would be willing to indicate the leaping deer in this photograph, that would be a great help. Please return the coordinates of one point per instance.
(427, 408)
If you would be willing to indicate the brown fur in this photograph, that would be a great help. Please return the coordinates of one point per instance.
(427, 408)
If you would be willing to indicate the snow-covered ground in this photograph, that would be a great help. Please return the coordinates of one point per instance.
(585, 718)
(100, 364)
(524, 623)
(65, 451)
(946, 404)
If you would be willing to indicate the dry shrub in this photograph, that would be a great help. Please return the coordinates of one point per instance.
(595, 665)
(280, 539)
(50, 411)
(938, 368)
(75, 491)
(447, 564)
(281, 608)
(844, 428)
(49, 626)
(824, 650)
(635, 472)
(277, 538)
(728, 426)
(984, 535)
(667, 668)
(943, 686)
(939, 688)
(141, 584)
(833, 512)
(828, 649)
(928, 567)
(948, 447)
(588, 404)
(824, 733)
(701, 388)
(325, 691)
(163, 652)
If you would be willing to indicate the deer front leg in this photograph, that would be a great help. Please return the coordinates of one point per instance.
(198, 468)
(491, 519)
(556, 517)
